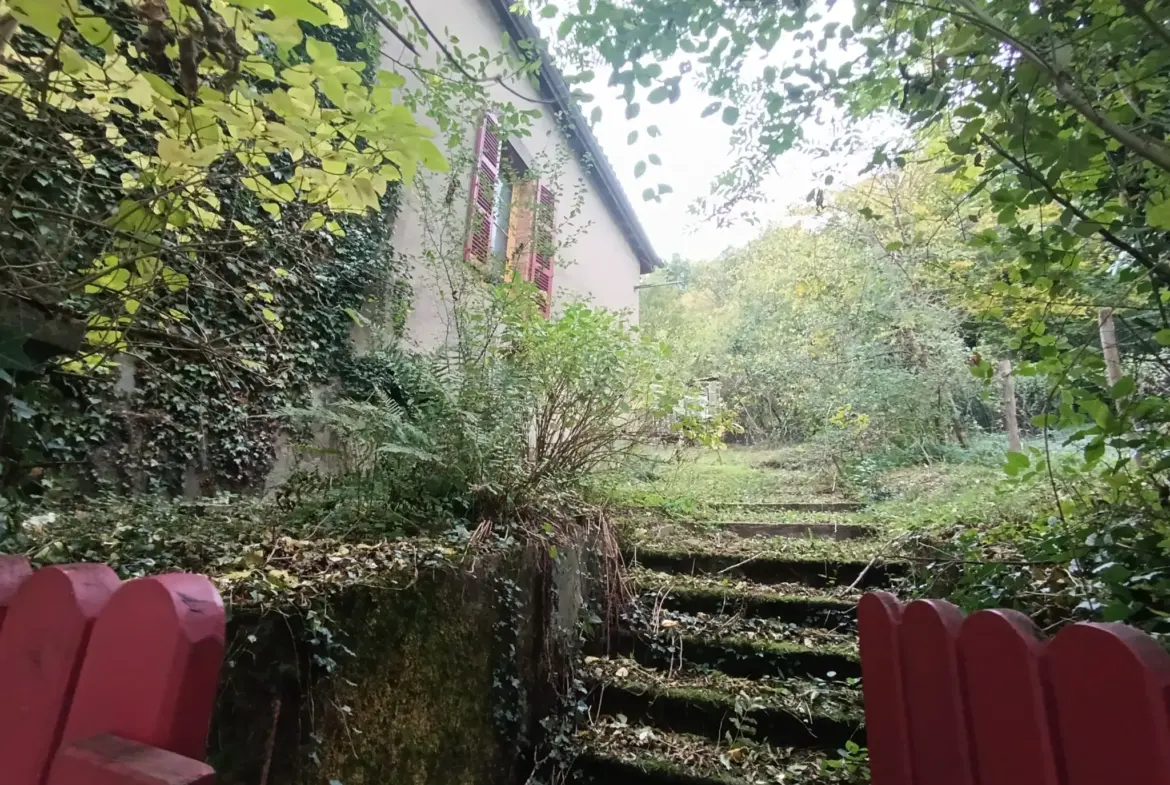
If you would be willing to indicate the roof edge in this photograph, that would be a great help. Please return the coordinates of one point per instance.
(581, 140)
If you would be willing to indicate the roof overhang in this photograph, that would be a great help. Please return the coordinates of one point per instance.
(581, 139)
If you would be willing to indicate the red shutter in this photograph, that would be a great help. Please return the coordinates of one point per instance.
(483, 192)
(540, 261)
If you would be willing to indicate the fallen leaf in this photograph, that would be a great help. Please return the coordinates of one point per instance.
(591, 660)
(737, 754)
(623, 672)
(669, 623)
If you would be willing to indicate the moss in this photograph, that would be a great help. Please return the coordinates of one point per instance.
(415, 705)
(386, 686)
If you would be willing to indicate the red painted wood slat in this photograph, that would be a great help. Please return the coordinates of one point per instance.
(1111, 685)
(482, 204)
(1007, 701)
(879, 618)
(42, 645)
(934, 693)
(541, 261)
(110, 760)
(153, 664)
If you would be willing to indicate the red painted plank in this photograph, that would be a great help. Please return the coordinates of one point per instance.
(110, 760)
(1111, 683)
(934, 694)
(1007, 701)
(14, 570)
(41, 648)
(879, 616)
(153, 665)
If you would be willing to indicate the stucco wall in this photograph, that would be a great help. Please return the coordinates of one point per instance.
(599, 266)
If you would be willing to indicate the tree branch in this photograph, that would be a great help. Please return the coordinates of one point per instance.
(1138, 9)
(1157, 270)
(1145, 146)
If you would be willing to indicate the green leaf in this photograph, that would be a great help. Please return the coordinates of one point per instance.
(595, 115)
(731, 115)
(549, 11)
(1098, 410)
(653, 132)
(711, 109)
(1162, 337)
(1094, 451)
(654, 159)
(658, 94)
(632, 111)
(649, 194)
(1158, 213)
(639, 168)
(1123, 388)
(1016, 462)
(632, 137)
(663, 188)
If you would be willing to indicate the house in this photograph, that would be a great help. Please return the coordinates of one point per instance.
(501, 226)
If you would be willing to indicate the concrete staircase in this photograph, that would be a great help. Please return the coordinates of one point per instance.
(736, 664)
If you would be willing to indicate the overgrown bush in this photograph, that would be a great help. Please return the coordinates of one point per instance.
(520, 419)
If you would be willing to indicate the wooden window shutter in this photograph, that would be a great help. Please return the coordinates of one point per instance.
(540, 261)
(478, 247)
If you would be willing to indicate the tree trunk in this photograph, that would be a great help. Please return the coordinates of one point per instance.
(1010, 420)
(1109, 346)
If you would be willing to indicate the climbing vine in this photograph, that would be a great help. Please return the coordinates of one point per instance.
(198, 202)
(195, 348)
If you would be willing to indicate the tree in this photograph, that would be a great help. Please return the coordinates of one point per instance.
(1055, 117)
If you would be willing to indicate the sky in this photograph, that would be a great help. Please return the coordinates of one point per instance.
(694, 151)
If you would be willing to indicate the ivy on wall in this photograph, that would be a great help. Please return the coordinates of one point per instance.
(188, 408)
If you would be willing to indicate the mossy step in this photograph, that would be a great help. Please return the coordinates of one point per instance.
(710, 713)
(618, 753)
(829, 613)
(819, 506)
(831, 531)
(770, 569)
(739, 656)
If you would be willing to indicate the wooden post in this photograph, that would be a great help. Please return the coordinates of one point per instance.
(1010, 419)
(1109, 346)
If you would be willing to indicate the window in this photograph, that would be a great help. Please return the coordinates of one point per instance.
(510, 218)
(512, 173)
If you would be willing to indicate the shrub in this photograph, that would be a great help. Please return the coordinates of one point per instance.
(520, 418)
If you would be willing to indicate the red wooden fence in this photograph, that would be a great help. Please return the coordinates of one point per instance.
(104, 682)
(986, 701)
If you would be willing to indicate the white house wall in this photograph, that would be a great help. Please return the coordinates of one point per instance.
(600, 266)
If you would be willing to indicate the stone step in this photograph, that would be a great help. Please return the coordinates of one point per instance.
(686, 708)
(620, 753)
(832, 531)
(824, 612)
(738, 655)
(817, 506)
(769, 569)
(650, 619)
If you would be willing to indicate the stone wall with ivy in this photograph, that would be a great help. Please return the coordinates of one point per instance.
(414, 683)
(188, 407)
